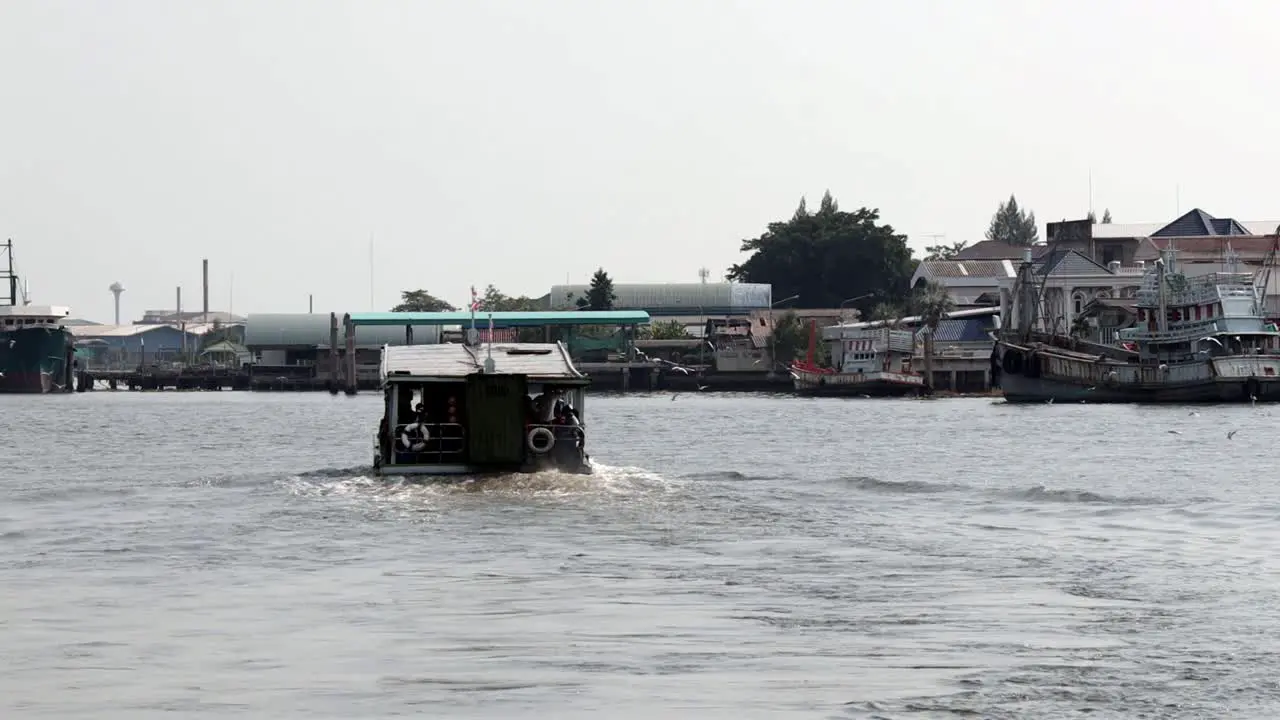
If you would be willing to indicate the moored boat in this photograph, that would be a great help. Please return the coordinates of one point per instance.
(866, 361)
(36, 351)
(459, 409)
(1201, 338)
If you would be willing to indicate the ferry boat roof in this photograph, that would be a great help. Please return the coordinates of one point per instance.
(43, 311)
(504, 319)
(540, 362)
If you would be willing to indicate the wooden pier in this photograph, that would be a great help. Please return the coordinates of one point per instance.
(209, 379)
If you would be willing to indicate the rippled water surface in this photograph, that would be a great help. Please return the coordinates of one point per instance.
(216, 555)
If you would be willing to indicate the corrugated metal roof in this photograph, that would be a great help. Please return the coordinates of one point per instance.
(967, 269)
(500, 319)
(539, 361)
(667, 296)
(996, 250)
(311, 330)
(962, 330)
(991, 314)
(119, 331)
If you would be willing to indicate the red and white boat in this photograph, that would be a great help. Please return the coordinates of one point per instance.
(865, 361)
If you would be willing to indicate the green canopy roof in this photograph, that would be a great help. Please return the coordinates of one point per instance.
(504, 319)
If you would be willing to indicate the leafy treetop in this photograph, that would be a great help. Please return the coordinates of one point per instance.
(494, 300)
(829, 257)
(1011, 226)
(421, 301)
(600, 295)
(944, 252)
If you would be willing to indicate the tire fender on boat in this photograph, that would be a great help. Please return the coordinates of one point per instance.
(541, 440)
(1252, 387)
(414, 437)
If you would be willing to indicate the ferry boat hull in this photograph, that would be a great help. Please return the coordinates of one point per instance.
(846, 384)
(35, 360)
(465, 470)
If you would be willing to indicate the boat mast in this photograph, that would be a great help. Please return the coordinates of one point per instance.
(1025, 293)
(13, 278)
(1267, 264)
(1162, 319)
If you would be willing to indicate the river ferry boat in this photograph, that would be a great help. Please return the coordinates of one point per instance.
(1199, 338)
(464, 409)
(866, 361)
(37, 352)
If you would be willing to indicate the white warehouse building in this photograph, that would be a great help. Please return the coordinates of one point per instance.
(676, 299)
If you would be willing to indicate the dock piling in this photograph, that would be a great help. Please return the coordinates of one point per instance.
(333, 353)
(351, 353)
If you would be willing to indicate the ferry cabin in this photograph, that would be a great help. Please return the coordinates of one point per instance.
(455, 409)
(867, 350)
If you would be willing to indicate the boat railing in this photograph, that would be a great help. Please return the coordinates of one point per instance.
(417, 443)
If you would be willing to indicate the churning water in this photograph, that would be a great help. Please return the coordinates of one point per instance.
(218, 555)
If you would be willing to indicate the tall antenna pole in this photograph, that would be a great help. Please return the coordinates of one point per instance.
(1090, 191)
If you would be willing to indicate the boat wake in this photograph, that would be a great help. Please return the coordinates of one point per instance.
(361, 484)
(1034, 493)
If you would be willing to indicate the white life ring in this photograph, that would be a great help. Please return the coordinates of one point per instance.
(413, 437)
(541, 440)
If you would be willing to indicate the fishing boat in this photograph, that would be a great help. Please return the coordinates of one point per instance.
(1199, 338)
(866, 361)
(36, 350)
(465, 409)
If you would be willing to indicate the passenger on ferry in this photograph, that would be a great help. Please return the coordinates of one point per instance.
(545, 405)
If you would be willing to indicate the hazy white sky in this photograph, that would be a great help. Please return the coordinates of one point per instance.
(523, 142)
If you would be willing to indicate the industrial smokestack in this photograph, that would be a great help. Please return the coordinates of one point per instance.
(179, 311)
(205, 310)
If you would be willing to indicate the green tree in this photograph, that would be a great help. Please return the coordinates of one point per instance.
(421, 301)
(1011, 226)
(829, 256)
(789, 338)
(494, 300)
(944, 252)
(666, 330)
(934, 304)
(1106, 217)
(600, 295)
(886, 311)
(1091, 217)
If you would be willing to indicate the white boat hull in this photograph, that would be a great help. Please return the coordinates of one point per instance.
(876, 383)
